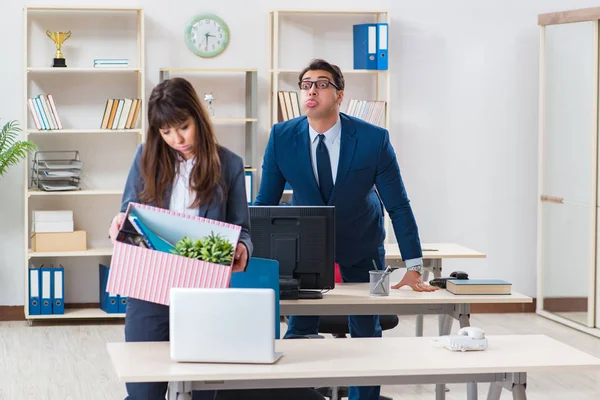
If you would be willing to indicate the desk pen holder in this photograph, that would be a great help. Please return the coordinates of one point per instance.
(379, 283)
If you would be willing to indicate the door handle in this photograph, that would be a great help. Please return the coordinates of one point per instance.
(552, 199)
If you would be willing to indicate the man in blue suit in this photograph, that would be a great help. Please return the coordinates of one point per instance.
(330, 158)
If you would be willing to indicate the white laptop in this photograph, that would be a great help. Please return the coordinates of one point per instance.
(223, 325)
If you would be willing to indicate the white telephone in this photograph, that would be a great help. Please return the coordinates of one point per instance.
(468, 338)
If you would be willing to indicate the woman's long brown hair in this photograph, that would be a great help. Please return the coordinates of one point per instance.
(171, 103)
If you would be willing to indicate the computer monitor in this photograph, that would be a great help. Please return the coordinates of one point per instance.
(302, 239)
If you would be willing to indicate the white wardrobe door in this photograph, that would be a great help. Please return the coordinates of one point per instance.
(569, 112)
(567, 259)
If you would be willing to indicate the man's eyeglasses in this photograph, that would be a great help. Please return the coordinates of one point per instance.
(321, 84)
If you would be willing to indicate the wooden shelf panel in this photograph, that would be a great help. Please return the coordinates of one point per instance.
(344, 71)
(80, 9)
(233, 119)
(78, 313)
(209, 70)
(104, 251)
(347, 12)
(81, 69)
(84, 192)
(80, 131)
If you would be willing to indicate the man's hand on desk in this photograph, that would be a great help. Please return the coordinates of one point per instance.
(414, 280)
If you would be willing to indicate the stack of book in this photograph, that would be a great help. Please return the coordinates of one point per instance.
(288, 106)
(370, 110)
(111, 63)
(43, 111)
(120, 113)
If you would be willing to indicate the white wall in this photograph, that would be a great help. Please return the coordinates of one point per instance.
(463, 118)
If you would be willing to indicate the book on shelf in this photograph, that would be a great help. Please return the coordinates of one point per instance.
(111, 63)
(372, 111)
(44, 113)
(288, 106)
(120, 113)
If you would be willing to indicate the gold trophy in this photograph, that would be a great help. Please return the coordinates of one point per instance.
(58, 38)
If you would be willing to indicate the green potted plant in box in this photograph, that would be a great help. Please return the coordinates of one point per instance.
(212, 248)
(12, 150)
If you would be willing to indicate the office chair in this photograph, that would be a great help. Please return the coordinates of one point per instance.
(337, 325)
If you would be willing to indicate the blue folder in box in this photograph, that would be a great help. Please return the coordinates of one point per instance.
(261, 273)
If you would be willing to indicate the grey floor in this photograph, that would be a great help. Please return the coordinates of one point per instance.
(70, 361)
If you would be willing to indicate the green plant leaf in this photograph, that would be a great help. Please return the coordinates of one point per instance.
(12, 150)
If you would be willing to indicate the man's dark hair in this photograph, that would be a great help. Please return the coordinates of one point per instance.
(334, 70)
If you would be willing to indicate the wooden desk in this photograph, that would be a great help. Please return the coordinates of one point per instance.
(433, 254)
(353, 298)
(330, 362)
(435, 251)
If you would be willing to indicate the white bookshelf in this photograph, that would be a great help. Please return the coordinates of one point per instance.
(78, 313)
(105, 251)
(82, 131)
(236, 92)
(298, 36)
(80, 93)
(74, 70)
(88, 192)
(334, 44)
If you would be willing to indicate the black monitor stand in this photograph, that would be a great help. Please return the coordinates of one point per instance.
(289, 289)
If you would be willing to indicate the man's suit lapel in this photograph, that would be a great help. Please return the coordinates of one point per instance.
(347, 149)
(305, 167)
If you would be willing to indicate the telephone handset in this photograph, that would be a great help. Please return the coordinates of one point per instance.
(466, 339)
(472, 332)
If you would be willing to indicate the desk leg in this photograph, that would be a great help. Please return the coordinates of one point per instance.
(334, 393)
(462, 314)
(495, 391)
(472, 391)
(419, 320)
(515, 382)
(440, 391)
(435, 266)
(179, 391)
(519, 392)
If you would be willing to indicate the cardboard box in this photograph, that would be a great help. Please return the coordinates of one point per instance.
(146, 274)
(59, 241)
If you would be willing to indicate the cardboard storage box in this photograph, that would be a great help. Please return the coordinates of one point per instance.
(147, 274)
(59, 241)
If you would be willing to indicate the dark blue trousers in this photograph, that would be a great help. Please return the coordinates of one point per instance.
(359, 325)
(149, 322)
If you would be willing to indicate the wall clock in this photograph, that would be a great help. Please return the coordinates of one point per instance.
(207, 35)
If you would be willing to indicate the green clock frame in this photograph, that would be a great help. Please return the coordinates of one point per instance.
(194, 49)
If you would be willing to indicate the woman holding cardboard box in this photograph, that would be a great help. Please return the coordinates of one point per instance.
(181, 167)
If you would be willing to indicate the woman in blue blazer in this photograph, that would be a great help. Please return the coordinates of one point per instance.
(180, 167)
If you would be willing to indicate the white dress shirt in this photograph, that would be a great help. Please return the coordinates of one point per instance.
(332, 142)
(181, 196)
